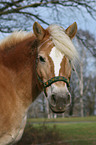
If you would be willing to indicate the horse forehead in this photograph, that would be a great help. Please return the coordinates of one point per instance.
(57, 58)
(46, 46)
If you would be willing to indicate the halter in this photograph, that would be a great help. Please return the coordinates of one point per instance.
(51, 81)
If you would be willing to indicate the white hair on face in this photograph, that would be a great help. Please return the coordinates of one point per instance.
(57, 57)
(63, 43)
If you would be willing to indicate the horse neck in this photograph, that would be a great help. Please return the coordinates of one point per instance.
(21, 62)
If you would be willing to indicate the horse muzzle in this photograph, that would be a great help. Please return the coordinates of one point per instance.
(59, 103)
(60, 100)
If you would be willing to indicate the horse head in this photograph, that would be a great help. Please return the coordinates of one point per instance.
(56, 53)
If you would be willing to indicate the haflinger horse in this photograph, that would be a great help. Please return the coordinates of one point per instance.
(30, 63)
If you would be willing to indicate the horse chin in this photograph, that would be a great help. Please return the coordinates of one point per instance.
(55, 110)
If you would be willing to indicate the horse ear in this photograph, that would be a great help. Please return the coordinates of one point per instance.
(38, 30)
(71, 30)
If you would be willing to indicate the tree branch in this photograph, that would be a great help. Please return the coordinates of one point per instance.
(85, 44)
(37, 17)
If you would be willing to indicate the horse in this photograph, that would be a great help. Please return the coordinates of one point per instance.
(29, 64)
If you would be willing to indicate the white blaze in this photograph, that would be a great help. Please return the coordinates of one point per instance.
(57, 57)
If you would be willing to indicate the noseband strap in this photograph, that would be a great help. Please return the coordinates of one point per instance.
(53, 80)
(56, 79)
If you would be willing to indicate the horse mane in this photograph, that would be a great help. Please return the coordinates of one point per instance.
(60, 39)
(63, 43)
(13, 39)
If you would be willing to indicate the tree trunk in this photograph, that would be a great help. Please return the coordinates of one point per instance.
(81, 87)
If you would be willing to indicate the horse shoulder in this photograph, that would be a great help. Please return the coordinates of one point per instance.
(12, 113)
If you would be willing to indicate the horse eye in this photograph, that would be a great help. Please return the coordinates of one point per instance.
(41, 59)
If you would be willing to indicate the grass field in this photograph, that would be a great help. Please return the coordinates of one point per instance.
(67, 131)
(78, 133)
(78, 130)
(65, 119)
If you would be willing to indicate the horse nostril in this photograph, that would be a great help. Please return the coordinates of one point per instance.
(68, 98)
(53, 99)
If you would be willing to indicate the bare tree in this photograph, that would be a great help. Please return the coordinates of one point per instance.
(83, 86)
(88, 40)
(18, 14)
(30, 9)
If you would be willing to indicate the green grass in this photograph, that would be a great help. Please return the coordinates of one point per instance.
(66, 119)
(78, 131)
